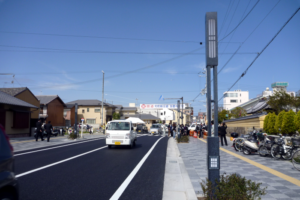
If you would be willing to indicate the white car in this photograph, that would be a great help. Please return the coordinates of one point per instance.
(193, 127)
(120, 132)
(156, 129)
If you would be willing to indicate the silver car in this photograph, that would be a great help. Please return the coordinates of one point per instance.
(156, 129)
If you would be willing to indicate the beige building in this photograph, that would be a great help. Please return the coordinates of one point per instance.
(91, 112)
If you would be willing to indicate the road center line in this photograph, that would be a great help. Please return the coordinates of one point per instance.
(270, 170)
(56, 163)
(57, 147)
(124, 185)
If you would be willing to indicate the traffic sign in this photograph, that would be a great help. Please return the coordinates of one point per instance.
(82, 119)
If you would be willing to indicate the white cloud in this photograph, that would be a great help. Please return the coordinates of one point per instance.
(58, 86)
(172, 72)
(230, 69)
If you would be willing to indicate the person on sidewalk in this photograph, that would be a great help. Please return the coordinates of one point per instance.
(91, 130)
(197, 129)
(49, 129)
(39, 131)
(174, 131)
(223, 133)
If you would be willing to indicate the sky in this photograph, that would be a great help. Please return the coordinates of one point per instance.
(145, 48)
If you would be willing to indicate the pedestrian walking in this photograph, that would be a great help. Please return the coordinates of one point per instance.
(212, 128)
(169, 129)
(39, 130)
(174, 131)
(49, 129)
(197, 129)
(223, 133)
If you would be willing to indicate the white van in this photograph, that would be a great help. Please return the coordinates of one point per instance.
(120, 132)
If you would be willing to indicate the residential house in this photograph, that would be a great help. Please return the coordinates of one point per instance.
(52, 109)
(15, 115)
(90, 111)
(23, 93)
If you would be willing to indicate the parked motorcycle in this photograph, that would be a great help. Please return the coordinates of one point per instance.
(238, 141)
(251, 145)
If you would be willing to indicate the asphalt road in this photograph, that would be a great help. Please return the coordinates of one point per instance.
(92, 171)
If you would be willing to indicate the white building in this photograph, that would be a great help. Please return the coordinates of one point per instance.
(234, 98)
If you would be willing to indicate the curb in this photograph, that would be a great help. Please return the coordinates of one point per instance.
(177, 183)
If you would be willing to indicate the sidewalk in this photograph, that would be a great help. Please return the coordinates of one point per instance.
(26, 143)
(194, 157)
(177, 184)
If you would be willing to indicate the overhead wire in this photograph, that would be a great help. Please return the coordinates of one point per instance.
(98, 37)
(124, 73)
(246, 40)
(245, 72)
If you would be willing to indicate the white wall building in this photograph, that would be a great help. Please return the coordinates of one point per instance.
(234, 98)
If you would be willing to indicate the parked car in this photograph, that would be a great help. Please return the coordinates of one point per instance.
(141, 128)
(120, 132)
(9, 189)
(156, 129)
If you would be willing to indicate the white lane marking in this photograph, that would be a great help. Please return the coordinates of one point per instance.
(56, 163)
(56, 147)
(124, 185)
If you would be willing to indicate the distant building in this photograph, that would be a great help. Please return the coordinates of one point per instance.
(281, 86)
(234, 98)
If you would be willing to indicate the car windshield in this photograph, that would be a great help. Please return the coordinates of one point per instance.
(118, 126)
(140, 126)
(155, 126)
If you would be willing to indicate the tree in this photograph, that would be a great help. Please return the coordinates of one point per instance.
(279, 120)
(271, 123)
(297, 121)
(281, 100)
(266, 120)
(238, 112)
(116, 115)
(223, 115)
(288, 124)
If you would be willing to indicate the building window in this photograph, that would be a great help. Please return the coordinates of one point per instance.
(240, 95)
(88, 110)
(82, 110)
(240, 101)
(233, 101)
(97, 110)
(231, 95)
(91, 121)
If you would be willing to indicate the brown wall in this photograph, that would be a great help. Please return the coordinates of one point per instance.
(73, 116)
(55, 112)
(28, 97)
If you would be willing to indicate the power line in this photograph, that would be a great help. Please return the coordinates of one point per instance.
(245, 40)
(98, 37)
(245, 72)
(240, 21)
(124, 73)
(55, 50)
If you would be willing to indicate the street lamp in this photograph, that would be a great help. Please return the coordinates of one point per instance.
(102, 98)
(211, 37)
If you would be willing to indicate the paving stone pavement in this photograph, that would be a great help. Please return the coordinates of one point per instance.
(194, 158)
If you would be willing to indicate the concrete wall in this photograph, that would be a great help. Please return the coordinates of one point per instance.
(28, 97)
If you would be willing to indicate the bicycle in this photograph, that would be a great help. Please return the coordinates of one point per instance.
(296, 155)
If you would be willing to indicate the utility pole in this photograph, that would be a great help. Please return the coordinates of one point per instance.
(102, 99)
(213, 154)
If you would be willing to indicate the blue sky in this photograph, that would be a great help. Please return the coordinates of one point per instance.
(61, 47)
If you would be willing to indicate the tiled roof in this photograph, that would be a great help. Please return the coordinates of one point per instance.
(10, 100)
(144, 116)
(129, 109)
(90, 102)
(258, 107)
(248, 102)
(246, 117)
(13, 91)
(45, 99)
